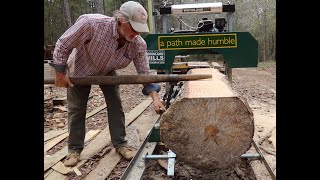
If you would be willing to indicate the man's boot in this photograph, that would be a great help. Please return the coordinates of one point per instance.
(72, 159)
(126, 152)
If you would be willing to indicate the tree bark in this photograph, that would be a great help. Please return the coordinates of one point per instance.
(98, 7)
(208, 126)
(129, 79)
(66, 11)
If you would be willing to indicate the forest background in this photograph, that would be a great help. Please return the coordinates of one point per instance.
(255, 16)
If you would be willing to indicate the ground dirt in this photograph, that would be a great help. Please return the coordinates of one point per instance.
(256, 85)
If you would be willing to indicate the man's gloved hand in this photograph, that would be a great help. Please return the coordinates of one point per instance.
(158, 105)
(62, 80)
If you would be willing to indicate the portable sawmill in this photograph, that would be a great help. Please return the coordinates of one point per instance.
(207, 124)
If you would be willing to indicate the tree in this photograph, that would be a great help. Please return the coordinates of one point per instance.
(66, 12)
(98, 6)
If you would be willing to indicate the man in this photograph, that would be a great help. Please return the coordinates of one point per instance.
(100, 45)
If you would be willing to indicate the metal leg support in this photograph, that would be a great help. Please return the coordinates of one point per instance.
(260, 157)
(171, 160)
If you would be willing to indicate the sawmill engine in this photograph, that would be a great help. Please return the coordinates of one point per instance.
(206, 25)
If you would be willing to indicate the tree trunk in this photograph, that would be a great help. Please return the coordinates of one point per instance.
(265, 34)
(66, 12)
(208, 126)
(98, 7)
(50, 24)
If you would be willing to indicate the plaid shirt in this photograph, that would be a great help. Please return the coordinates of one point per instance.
(93, 38)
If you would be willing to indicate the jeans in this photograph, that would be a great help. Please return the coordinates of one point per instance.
(77, 97)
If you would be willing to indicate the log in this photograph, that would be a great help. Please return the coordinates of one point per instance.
(129, 79)
(208, 126)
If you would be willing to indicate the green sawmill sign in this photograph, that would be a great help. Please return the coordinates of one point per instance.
(239, 49)
(203, 41)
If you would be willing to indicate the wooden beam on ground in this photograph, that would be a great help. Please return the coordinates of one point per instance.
(209, 125)
(55, 175)
(96, 110)
(216, 65)
(107, 163)
(198, 64)
(105, 166)
(61, 168)
(47, 173)
(77, 171)
(52, 160)
(103, 139)
(52, 134)
(55, 141)
(135, 112)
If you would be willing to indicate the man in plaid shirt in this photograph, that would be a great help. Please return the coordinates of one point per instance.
(97, 45)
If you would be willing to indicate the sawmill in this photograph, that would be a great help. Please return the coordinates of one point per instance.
(207, 125)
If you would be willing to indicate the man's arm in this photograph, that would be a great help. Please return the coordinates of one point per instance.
(141, 63)
(152, 90)
(76, 35)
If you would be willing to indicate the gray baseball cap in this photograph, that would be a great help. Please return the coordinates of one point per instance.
(137, 15)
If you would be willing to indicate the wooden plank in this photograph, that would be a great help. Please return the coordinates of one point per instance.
(49, 161)
(55, 175)
(135, 112)
(76, 170)
(107, 163)
(105, 166)
(196, 64)
(52, 160)
(216, 65)
(52, 134)
(129, 116)
(55, 141)
(95, 111)
(103, 139)
(61, 168)
(47, 173)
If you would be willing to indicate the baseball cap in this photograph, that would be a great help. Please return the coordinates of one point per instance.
(137, 15)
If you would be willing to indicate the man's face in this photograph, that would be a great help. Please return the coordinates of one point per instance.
(126, 30)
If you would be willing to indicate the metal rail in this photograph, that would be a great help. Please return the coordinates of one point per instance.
(137, 166)
(264, 160)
